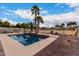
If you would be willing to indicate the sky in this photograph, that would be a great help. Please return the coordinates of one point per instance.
(52, 13)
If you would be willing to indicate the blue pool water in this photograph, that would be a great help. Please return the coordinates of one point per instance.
(26, 39)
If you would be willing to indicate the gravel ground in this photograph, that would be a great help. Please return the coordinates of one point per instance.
(62, 46)
(1, 50)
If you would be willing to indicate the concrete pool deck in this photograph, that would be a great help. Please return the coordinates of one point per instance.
(14, 48)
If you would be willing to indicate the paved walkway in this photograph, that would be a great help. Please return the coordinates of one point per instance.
(14, 48)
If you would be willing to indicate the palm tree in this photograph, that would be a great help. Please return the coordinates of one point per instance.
(35, 10)
(62, 26)
(72, 24)
(57, 26)
(31, 26)
(39, 19)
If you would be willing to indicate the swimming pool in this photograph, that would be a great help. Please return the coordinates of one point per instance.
(27, 39)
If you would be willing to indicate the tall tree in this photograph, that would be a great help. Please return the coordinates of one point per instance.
(57, 26)
(74, 23)
(1, 23)
(35, 10)
(6, 24)
(24, 26)
(18, 25)
(31, 26)
(39, 20)
(71, 24)
(62, 26)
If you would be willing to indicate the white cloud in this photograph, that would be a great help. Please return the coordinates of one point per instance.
(44, 12)
(57, 4)
(73, 4)
(52, 20)
(49, 20)
(69, 4)
(41, 8)
(6, 19)
(24, 13)
(2, 7)
(27, 14)
(6, 9)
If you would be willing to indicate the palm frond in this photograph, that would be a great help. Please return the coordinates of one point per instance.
(40, 19)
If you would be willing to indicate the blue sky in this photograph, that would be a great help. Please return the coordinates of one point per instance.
(47, 6)
(20, 12)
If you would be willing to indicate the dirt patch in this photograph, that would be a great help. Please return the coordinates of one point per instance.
(63, 46)
(1, 50)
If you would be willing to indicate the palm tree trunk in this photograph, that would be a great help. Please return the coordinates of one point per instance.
(63, 31)
(24, 30)
(35, 26)
(35, 22)
(38, 26)
(73, 26)
(76, 34)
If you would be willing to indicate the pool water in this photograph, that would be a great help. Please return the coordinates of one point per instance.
(26, 39)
